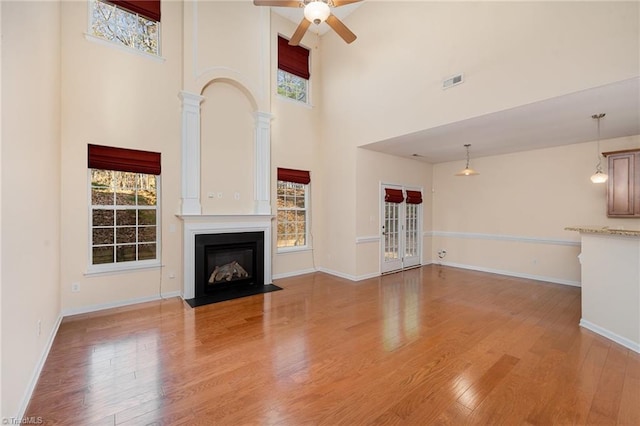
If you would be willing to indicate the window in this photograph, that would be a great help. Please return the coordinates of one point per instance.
(124, 214)
(134, 23)
(293, 71)
(293, 209)
(292, 87)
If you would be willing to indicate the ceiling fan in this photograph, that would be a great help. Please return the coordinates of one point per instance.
(316, 11)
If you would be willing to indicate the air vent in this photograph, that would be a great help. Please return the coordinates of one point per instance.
(453, 81)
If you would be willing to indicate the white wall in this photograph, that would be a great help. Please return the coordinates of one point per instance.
(511, 217)
(30, 193)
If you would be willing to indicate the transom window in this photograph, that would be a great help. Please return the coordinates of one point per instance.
(293, 209)
(134, 24)
(293, 71)
(124, 213)
(292, 86)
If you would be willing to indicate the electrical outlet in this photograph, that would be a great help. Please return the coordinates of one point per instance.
(75, 287)
(442, 253)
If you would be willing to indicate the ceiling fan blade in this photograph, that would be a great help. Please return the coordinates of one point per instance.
(341, 29)
(277, 3)
(338, 3)
(296, 38)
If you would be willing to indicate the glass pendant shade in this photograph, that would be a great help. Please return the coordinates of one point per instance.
(317, 12)
(467, 171)
(599, 176)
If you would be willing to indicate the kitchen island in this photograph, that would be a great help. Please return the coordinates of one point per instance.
(610, 260)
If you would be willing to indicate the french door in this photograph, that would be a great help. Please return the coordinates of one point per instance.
(401, 228)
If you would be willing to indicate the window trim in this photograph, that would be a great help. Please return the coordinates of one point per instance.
(307, 202)
(105, 268)
(308, 100)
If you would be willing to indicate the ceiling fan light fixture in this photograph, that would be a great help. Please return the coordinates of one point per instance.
(467, 171)
(317, 12)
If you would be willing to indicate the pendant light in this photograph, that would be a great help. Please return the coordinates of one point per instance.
(468, 171)
(599, 176)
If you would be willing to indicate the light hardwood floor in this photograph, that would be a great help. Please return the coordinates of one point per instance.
(433, 345)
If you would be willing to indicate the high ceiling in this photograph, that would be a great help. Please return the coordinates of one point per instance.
(557, 121)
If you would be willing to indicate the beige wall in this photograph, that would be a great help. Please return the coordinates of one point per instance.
(1, 203)
(111, 96)
(372, 170)
(227, 150)
(378, 88)
(512, 216)
(82, 92)
(511, 53)
(296, 144)
(30, 192)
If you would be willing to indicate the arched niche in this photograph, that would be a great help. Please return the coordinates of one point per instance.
(192, 143)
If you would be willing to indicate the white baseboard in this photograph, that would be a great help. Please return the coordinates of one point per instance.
(627, 343)
(293, 273)
(367, 276)
(512, 274)
(102, 306)
(36, 372)
(339, 274)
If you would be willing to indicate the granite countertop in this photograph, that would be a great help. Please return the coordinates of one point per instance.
(605, 230)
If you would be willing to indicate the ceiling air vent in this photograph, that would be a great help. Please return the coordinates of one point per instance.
(453, 81)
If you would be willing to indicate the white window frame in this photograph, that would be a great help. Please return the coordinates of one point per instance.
(307, 101)
(95, 38)
(130, 265)
(307, 210)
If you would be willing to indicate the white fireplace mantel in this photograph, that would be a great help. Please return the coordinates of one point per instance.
(216, 224)
(194, 222)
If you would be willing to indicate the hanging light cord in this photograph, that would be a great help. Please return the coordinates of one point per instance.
(599, 165)
(468, 145)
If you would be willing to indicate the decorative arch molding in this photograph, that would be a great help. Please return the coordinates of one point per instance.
(191, 141)
(231, 77)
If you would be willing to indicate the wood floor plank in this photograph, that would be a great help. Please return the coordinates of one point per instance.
(432, 345)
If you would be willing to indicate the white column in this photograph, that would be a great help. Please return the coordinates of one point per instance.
(263, 163)
(190, 153)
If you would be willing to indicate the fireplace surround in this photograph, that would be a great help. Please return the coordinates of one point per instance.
(193, 221)
(227, 230)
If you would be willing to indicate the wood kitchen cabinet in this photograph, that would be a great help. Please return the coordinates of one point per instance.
(623, 191)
